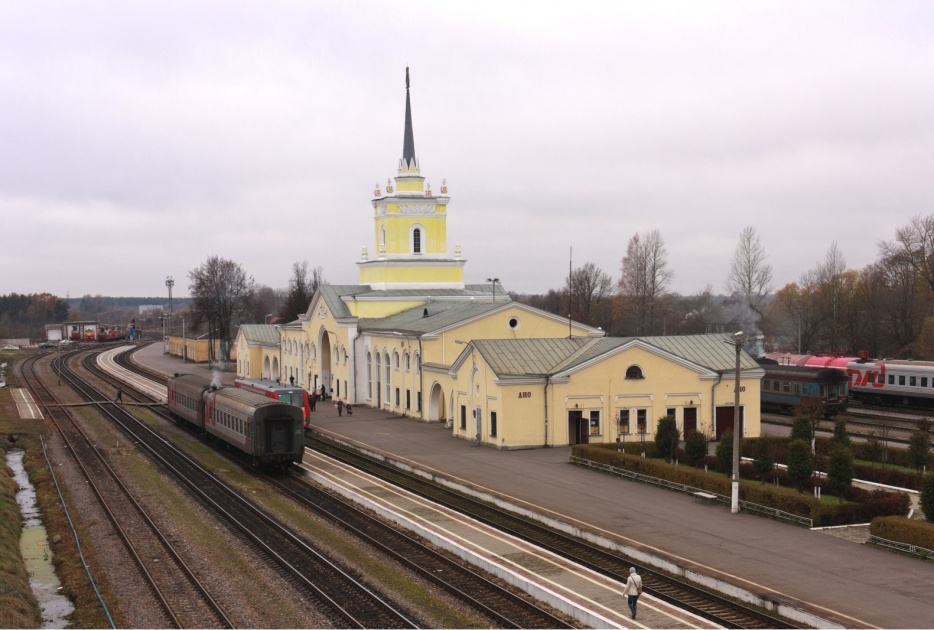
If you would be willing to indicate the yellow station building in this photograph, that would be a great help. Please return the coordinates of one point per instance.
(414, 339)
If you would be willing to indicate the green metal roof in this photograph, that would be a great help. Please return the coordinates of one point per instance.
(546, 357)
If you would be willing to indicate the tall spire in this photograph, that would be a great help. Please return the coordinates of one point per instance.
(408, 143)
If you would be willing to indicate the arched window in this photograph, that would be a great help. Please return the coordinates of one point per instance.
(369, 376)
(418, 363)
(417, 241)
(408, 362)
(634, 371)
(395, 360)
(382, 236)
(387, 384)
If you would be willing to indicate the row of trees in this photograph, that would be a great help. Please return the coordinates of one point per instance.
(225, 296)
(885, 308)
(25, 316)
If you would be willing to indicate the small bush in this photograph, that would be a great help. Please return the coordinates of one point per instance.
(695, 447)
(927, 497)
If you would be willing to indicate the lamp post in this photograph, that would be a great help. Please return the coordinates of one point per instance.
(493, 281)
(169, 283)
(734, 503)
(739, 339)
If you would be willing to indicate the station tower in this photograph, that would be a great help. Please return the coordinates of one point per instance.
(410, 228)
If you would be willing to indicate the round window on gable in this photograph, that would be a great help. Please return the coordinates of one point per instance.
(634, 371)
(513, 323)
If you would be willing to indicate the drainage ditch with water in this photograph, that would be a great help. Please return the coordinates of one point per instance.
(34, 546)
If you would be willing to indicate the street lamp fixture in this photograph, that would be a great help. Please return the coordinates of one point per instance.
(494, 282)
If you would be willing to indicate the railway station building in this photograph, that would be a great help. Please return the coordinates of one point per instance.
(414, 338)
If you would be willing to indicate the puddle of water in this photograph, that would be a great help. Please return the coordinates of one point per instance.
(34, 546)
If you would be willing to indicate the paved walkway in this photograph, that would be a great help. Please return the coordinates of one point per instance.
(824, 576)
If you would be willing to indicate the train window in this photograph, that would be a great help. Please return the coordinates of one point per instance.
(797, 389)
(891, 379)
(924, 381)
(881, 379)
(901, 379)
(766, 386)
(913, 381)
(786, 387)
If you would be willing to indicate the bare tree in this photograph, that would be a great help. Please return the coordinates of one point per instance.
(301, 289)
(645, 278)
(589, 286)
(220, 291)
(750, 272)
(830, 295)
(914, 245)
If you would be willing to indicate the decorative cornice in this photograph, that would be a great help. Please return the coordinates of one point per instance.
(416, 208)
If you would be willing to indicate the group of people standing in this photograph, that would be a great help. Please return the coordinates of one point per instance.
(342, 406)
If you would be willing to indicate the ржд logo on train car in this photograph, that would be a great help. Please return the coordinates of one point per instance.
(872, 376)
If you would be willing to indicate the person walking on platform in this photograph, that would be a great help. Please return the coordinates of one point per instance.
(340, 407)
(313, 400)
(633, 589)
(349, 409)
(119, 397)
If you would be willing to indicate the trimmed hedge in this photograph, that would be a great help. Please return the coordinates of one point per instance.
(872, 503)
(904, 530)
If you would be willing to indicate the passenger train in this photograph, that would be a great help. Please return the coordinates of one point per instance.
(784, 386)
(269, 433)
(271, 389)
(902, 383)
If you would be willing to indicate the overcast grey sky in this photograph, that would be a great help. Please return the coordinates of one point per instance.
(140, 138)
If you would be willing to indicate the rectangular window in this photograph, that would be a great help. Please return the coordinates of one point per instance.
(767, 386)
(463, 417)
(641, 417)
(913, 381)
(671, 412)
(786, 387)
(492, 424)
(623, 421)
(901, 379)
(595, 422)
(891, 379)
(924, 381)
(418, 401)
(408, 399)
(397, 397)
(881, 379)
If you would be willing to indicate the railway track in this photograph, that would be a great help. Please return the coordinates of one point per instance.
(498, 603)
(706, 604)
(325, 585)
(184, 598)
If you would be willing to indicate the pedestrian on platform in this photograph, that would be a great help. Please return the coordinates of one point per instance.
(313, 399)
(349, 410)
(633, 589)
(340, 407)
(119, 397)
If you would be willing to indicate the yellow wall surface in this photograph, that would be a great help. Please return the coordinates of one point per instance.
(398, 272)
(603, 388)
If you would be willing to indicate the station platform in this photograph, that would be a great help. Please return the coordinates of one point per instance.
(824, 580)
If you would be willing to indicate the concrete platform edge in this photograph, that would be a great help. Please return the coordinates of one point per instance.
(785, 609)
(588, 617)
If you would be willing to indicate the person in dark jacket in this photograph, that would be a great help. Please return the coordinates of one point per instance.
(340, 407)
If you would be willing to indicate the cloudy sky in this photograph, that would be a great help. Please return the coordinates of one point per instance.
(140, 138)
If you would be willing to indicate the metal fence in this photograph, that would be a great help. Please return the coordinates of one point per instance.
(900, 546)
(680, 487)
